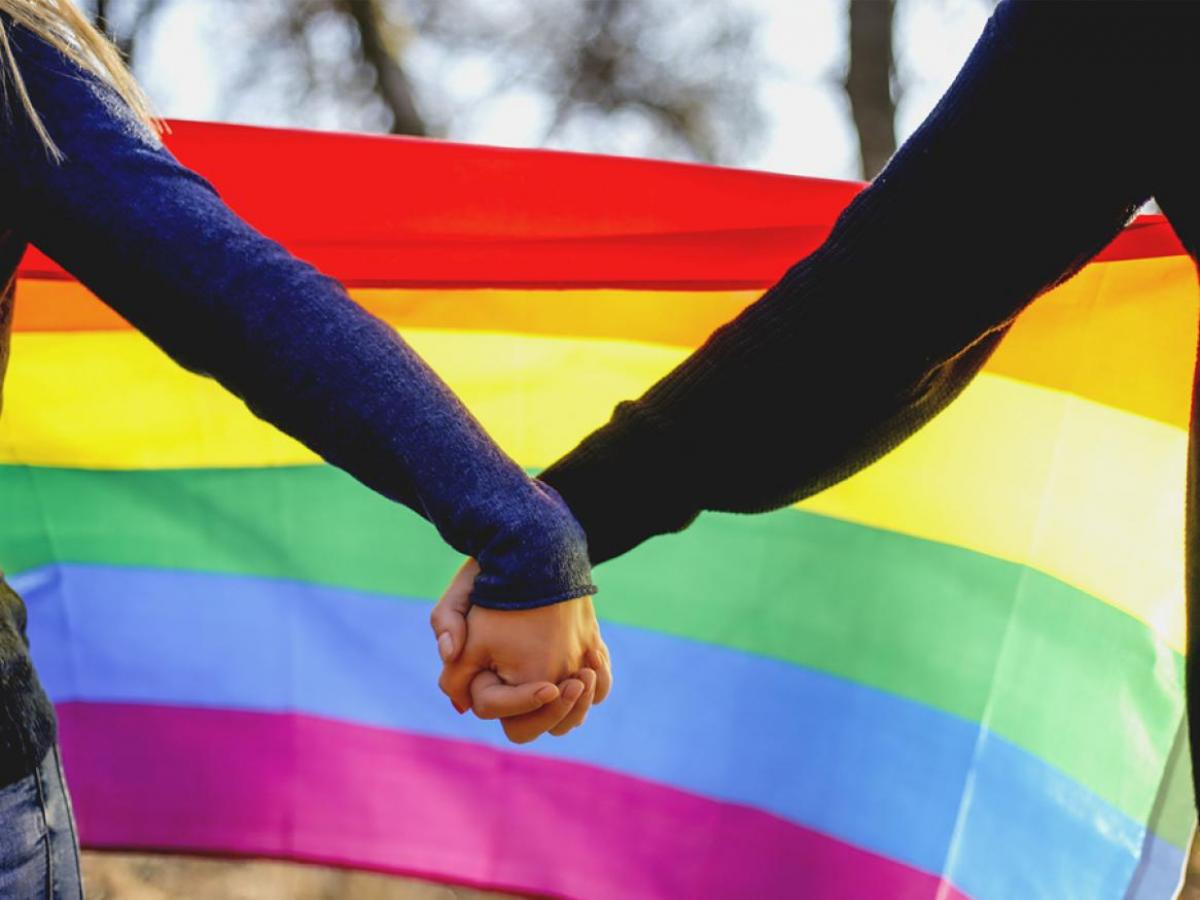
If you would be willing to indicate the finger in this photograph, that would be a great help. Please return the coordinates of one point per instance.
(491, 698)
(579, 712)
(523, 729)
(455, 681)
(597, 659)
(448, 618)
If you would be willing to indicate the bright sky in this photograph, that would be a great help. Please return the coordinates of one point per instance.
(808, 131)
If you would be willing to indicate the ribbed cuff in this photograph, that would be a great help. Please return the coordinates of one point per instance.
(490, 602)
(538, 557)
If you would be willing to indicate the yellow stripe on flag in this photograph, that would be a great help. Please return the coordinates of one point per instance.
(1122, 333)
(1025, 473)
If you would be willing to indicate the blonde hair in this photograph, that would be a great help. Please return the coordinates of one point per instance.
(60, 24)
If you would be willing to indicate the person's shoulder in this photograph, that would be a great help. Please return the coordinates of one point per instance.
(30, 49)
(67, 98)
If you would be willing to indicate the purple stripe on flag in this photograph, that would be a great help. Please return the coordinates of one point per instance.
(307, 788)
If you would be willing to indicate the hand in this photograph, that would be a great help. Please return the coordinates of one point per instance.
(504, 663)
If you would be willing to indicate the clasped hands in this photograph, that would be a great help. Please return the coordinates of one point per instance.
(536, 670)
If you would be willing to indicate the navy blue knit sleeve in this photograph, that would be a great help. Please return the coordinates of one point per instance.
(154, 241)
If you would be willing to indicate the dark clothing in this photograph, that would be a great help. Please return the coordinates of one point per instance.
(1035, 159)
(154, 241)
(27, 726)
(1065, 118)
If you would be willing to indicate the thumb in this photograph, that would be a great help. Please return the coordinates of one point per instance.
(449, 617)
(450, 625)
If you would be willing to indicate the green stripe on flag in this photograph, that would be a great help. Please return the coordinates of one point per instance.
(1072, 679)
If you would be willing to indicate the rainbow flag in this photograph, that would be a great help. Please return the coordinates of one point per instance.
(958, 674)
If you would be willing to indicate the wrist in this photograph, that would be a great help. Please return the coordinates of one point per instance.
(538, 557)
(624, 484)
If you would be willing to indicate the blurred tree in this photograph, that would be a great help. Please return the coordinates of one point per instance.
(676, 77)
(660, 77)
(125, 21)
(366, 68)
(869, 81)
(391, 83)
(345, 55)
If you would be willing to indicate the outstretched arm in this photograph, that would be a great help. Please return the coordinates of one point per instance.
(155, 241)
(1028, 166)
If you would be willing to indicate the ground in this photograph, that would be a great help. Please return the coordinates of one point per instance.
(137, 876)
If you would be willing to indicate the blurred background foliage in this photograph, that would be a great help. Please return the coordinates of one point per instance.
(704, 80)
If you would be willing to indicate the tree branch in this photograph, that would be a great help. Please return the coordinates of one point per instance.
(391, 81)
(868, 82)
